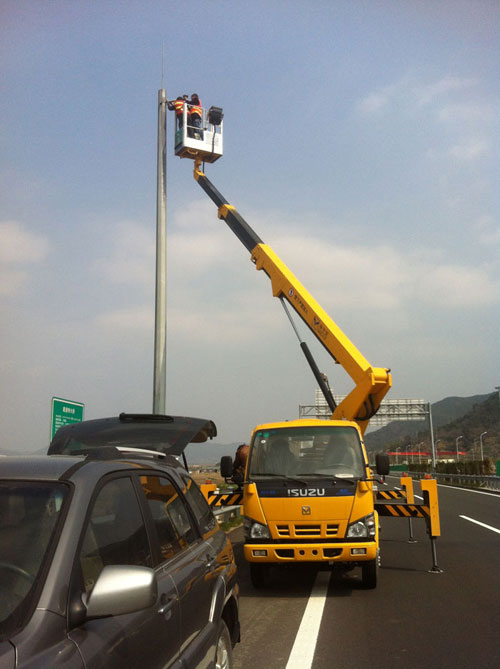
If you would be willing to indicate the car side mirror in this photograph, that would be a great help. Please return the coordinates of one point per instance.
(382, 464)
(121, 589)
(226, 466)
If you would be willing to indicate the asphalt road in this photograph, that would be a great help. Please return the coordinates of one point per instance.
(413, 619)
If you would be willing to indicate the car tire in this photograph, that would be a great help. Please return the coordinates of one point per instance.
(369, 572)
(224, 649)
(260, 574)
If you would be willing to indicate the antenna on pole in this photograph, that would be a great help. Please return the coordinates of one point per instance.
(162, 63)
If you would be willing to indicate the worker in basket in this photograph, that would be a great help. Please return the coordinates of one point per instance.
(177, 106)
(195, 116)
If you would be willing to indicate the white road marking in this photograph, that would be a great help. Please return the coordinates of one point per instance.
(302, 654)
(488, 527)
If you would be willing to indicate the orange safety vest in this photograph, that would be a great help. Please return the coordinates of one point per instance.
(196, 110)
(179, 107)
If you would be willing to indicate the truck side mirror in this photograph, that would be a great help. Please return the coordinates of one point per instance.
(226, 466)
(382, 464)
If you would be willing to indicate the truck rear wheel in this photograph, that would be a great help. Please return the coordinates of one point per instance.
(369, 572)
(260, 574)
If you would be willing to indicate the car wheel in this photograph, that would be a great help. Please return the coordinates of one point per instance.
(224, 652)
(369, 571)
(260, 574)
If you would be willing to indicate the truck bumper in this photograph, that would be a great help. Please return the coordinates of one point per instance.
(313, 552)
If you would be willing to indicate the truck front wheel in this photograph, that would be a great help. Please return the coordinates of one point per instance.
(260, 574)
(369, 572)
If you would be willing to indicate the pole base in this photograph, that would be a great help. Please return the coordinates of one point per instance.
(435, 570)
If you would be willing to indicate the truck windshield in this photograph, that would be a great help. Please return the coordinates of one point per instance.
(29, 513)
(302, 451)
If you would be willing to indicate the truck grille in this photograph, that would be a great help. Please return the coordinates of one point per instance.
(301, 530)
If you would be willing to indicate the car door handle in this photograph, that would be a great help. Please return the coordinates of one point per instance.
(166, 605)
(211, 562)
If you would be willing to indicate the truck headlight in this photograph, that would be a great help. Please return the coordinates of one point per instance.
(255, 530)
(364, 527)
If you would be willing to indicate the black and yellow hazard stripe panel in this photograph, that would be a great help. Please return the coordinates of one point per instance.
(391, 494)
(224, 499)
(403, 510)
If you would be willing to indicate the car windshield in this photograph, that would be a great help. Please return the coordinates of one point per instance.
(29, 512)
(301, 451)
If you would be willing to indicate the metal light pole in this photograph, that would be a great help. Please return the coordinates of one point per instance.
(456, 443)
(481, 442)
(160, 350)
(433, 445)
(434, 453)
(420, 452)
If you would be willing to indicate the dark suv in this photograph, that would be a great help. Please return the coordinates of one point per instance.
(112, 558)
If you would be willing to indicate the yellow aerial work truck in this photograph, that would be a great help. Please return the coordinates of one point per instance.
(307, 490)
(307, 487)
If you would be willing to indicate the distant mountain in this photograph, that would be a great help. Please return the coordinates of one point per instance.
(451, 417)
(209, 453)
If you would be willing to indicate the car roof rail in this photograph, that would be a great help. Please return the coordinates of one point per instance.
(141, 451)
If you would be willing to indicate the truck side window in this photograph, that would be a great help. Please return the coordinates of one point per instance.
(199, 506)
(171, 518)
(174, 533)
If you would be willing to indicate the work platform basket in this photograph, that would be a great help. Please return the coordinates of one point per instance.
(203, 142)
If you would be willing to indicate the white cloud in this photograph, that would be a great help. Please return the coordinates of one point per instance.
(116, 323)
(130, 257)
(12, 280)
(466, 113)
(385, 277)
(469, 149)
(20, 245)
(339, 276)
(427, 93)
(457, 286)
(488, 231)
(405, 91)
(375, 102)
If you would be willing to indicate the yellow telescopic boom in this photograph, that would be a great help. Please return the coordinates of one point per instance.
(371, 383)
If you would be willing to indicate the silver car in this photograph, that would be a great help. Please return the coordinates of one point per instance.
(112, 558)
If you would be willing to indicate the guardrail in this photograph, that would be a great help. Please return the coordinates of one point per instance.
(224, 514)
(467, 480)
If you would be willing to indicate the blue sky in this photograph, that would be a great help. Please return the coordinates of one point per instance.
(361, 142)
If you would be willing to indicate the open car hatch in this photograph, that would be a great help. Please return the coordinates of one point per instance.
(153, 432)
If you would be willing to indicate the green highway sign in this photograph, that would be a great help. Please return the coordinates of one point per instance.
(64, 412)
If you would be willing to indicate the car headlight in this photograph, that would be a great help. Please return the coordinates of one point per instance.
(364, 527)
(255, 530)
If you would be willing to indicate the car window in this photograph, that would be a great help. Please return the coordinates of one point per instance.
(171, 518)
(115, 533)
(199, 505)
(29, 516)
